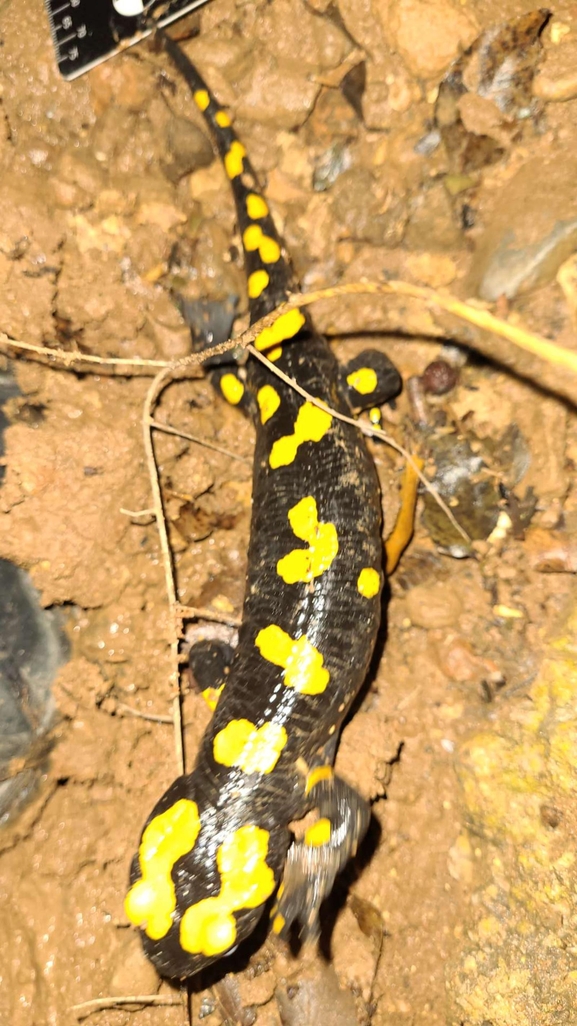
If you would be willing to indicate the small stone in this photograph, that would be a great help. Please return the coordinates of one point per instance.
(432, 269)
(122, 82)
(189, 147)
(163, 215)
(433, 605)
(532, 229)
(428, 34)
(567, 279)
(258, 990)
(273, 92)
(439, 377)
(363, 208)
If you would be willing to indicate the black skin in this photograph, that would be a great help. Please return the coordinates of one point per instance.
(342, 624)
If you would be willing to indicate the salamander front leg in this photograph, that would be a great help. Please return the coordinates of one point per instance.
(371, 380)
(209, 663)
(314, 862)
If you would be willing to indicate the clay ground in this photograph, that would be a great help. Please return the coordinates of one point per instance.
(456, 913)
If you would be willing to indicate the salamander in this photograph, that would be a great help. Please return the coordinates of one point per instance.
(216, 852)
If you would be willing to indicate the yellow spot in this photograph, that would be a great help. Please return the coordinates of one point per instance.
(208, 927)
(305, 564)
(311, 425)
(256, 206)
(269, 250)
(375, 416)
(274, 354)
(231, 388)
(253, 238)
(202, 99)
(211, 696)
(369, 582)
(363, 380)
(233, 160)
(253, 749)
(257, 283)
(278, 923)
(151, 901)
(286, 326)
(301, 661)
(316, 775)
(319, 833)
(268, 401)
(222, 119)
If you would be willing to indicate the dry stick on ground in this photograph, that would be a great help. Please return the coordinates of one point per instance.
(548, 353)
(64, 356)
(153, 394)
(86, 1008)
(168, 430)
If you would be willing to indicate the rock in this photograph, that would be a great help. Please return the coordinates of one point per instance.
(567, 278)
(557, 82)
(367, 210)
(433, 605)
(123, 82)
(432, 269)
(428, 54)
(189, 147)
(273, 92)
(518, 784)
(164, 215)
(531, 231)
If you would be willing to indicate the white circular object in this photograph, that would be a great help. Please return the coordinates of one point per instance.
(128, 8)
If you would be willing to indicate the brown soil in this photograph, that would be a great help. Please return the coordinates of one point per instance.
(91, 208)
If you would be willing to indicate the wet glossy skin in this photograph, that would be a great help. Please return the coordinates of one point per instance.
(214, 848)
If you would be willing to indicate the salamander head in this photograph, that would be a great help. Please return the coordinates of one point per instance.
(202, 876)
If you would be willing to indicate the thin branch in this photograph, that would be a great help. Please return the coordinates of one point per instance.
(152, 717)
(68, 358)
(157, 386)
(204, 613)
(86, 1008)
(199, 441)
(538, 346)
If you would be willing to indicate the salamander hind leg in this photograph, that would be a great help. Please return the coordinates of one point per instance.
(370, 379)
(314, 862)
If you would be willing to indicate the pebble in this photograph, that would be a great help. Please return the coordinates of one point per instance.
(532, 229)
(433, 605)
(358, 201)
(557, 81)
(551, 551)
(449, 29)
(432, 269)
(273, 92)
(189, 148)
(439, 377)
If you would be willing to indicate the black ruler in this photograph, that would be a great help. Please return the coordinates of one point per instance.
(87, 32)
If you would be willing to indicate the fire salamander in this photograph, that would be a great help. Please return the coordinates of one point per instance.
(216, 852)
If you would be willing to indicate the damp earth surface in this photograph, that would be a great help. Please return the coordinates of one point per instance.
(381, 159)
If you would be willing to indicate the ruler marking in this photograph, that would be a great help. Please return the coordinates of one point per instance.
(62, 42)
